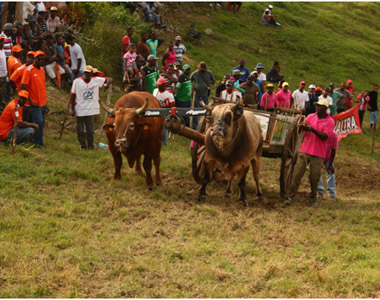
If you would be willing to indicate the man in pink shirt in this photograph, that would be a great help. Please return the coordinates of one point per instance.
(268, 100)
(332, 145)
(284, 96)
(313, 151)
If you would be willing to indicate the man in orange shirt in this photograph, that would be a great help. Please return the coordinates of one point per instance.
(25, 131)
(16, 77)
(14, 60)
(33, 81)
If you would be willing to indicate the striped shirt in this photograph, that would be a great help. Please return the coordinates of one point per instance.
(179, 50)
(8, 44)
(53, 24)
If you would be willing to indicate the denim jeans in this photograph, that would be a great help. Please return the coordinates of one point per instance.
(38, 117)
(24, 135)
(197, 104)
(75, 76)
(165, 136)
(373, 117)
(331, 183)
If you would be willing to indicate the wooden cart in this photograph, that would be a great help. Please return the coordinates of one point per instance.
(282, 138)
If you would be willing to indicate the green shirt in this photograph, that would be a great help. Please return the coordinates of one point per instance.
(153, 46)
(335, 95)
(184, 90)
(151, 76)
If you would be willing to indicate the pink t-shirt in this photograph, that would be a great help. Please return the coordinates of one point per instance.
(312, 144)
(362, 101)
(332, 143)
(130, 58)
(283, 98)
(271, 100)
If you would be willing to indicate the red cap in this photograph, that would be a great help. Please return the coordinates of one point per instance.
(318, 89)
(349, 81)
(160, 81)
(38, 53)
(16, 48)
(23, 94)
(302, 82)
(1, 38)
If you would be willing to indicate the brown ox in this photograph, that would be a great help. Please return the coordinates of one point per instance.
(133, 136)
(233, 143)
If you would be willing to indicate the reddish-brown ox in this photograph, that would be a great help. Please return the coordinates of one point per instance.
(233, 143)
(132, 135)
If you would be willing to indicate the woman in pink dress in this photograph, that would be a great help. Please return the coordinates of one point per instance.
(169, 56)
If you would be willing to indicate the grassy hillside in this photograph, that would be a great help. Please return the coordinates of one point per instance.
(67, 229)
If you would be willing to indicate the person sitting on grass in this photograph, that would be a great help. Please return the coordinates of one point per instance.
(268, 19)
(131, 70)
(151, 14)
(25, 131)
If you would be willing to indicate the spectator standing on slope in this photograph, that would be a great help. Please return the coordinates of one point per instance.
(221, 86)
(309, 105)
(313, 151)
(77, 58)
(351, 89)
(169, 56)
(34, 81)
(184, 91)
(372, 106)
(14, 60)
(268, 100)
(53, 22)
(274, 73)
(362, 99)
(341, 103)
(179, 49)
(16, 77)
(334, 96)
(284, 96)
(25, 131)
(325, 96)
(142, 47)
(244, 72)
(126, 40)
(203, 79)
(332, 146)
(252, 91)
(230, 93)
(259, 83)
(260, 75)
(150, 74)
(300, 97)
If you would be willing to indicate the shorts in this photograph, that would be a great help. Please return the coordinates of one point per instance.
(51, 71)
(131, 67)
(373, 117)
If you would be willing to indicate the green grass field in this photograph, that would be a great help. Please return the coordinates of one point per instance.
(67, 229)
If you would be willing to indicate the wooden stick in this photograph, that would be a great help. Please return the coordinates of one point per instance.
(109, 95)
(192, 106)
(373, 137)
(65, 119)
(15, 128)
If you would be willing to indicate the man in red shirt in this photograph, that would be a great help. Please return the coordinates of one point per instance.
(351, 89)
(33, 81)
(25, 130)
(313, 150)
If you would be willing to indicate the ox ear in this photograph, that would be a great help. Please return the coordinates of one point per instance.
(238, 111)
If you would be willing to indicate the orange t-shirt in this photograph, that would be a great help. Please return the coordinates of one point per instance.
(13, 64)
(7, 119)
(35, 80)
(17, 76)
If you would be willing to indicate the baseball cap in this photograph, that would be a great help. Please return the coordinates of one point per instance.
(236, 72)
(349, 81)
(16, 48)
(269, 85)
(254, 74)
(1, 38)
(53, 8)
(30, 53)
(302, 82)
(322, 102)
(312, 86)
(318, 89)
(229, 82)
(259, 66)
(23, 94)
(38, 53)
(88, 68)
(270, 6)
(151, 57)
(178, 38)
(285, 84)
(186, 66)
(160, 81)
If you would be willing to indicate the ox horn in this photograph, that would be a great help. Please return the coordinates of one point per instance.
(140, 110)
(107, 109)
(205, 106)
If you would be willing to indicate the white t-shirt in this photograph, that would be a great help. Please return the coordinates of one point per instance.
(165, 98)
(262, 76)
(87, 96)
(3, 64)
(329, 101)
(75, 54)
(231, 97)
(27, 10)
(300, 98)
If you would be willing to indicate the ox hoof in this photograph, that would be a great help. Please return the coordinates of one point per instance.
(244, 203)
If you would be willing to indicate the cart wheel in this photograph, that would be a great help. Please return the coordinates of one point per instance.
(197, 156)
(289, 158)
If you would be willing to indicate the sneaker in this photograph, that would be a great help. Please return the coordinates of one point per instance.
(163, 26)
(288, 201)
(332, 198)
(313, 203)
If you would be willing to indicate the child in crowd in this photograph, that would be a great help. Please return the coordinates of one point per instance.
(130, 63)
(362, 99)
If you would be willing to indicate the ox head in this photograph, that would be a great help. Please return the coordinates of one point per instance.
(224, 123)
(124, 124)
